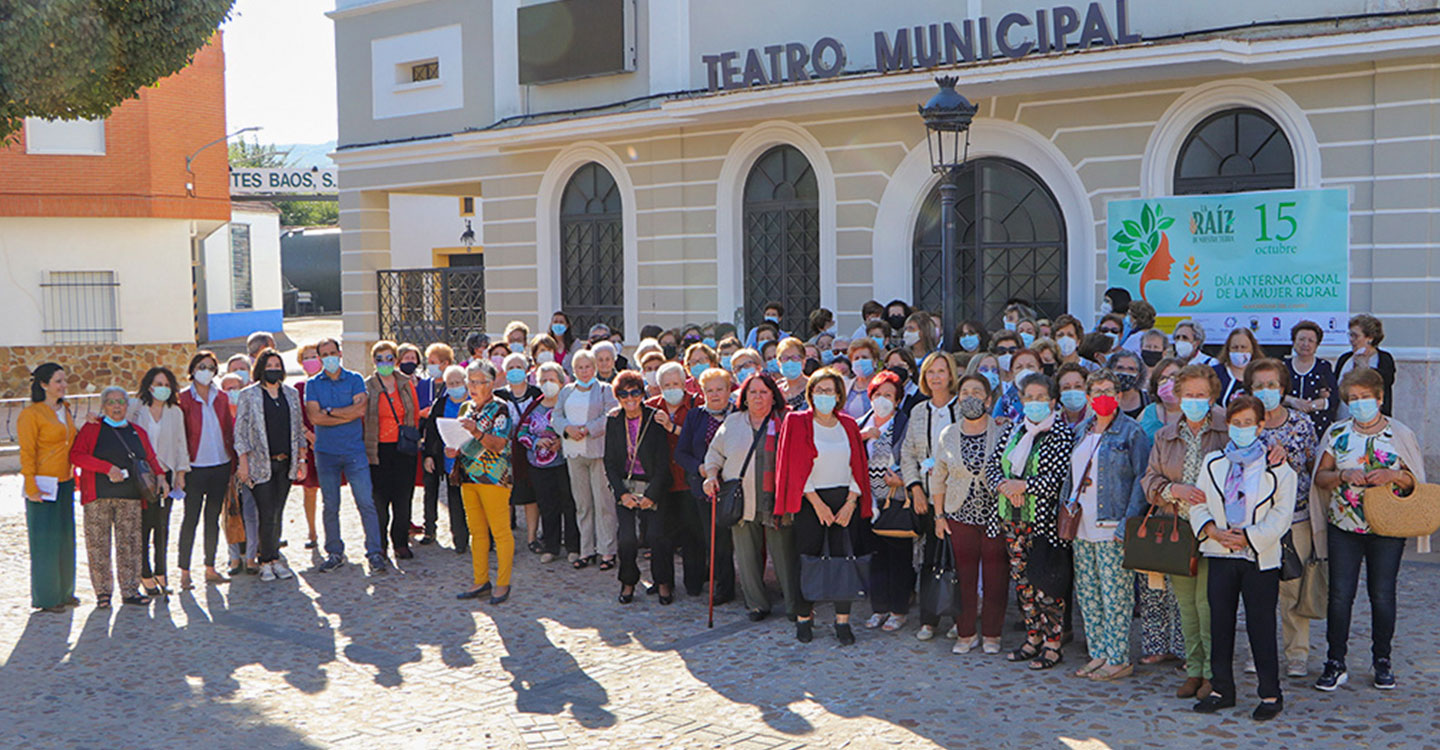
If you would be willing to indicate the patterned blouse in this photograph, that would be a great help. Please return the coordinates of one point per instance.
(481, 465)
(1353, 450)
(979, 506)
(1297, 436)
(1044, 473)
(1308, 386)
(883, 458)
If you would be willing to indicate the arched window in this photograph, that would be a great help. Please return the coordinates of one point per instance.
(782, 237)
(1235, 151)
(1006, 215)
(592, 267)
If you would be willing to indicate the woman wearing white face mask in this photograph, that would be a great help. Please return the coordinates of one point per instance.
(540, 458)
(892, 572)
(1187, 339)
(543, 349)
(1290, 437)
(919, 335)
(650, 371)
(1240, 347)
(210, 435)
(938, 380)
(579, 417)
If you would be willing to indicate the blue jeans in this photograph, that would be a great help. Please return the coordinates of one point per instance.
(356, 469)
(1381, 556)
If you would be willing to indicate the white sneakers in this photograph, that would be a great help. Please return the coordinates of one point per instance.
(926, 632)
(275, 570)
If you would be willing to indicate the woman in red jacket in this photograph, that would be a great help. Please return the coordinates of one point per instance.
(824, 481)
(108, 453)
(210, 435)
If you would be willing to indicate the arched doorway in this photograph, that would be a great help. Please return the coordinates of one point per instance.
(592, 275)
(1007, 216)
(782, 237)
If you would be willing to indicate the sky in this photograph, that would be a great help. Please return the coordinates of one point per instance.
(280, 70)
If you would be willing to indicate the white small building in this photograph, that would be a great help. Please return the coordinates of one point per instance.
(243, 290)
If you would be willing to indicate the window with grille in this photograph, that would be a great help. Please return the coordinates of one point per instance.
(80, 307)
(592, 250)
(425, 71)
(782, 237)
(241, 291)
(1235, 151)
(1007, 217)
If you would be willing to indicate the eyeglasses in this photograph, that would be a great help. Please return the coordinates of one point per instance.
(630, 393)
(1112, 331)
(1103, 392)
(384, 360)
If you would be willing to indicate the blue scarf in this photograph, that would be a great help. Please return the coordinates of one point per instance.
(1239, 458)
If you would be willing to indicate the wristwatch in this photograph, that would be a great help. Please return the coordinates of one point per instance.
(327, 412)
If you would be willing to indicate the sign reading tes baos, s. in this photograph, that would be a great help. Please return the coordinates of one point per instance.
(1263, 260)
(282, 181)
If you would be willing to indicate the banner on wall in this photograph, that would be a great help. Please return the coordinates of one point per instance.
(1264, 260)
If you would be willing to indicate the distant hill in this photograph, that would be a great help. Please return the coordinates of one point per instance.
(307, 154)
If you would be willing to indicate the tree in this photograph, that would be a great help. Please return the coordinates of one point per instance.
(292, 213)
(73, 59)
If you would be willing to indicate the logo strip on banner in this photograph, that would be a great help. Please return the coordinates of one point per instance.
(1263, 260)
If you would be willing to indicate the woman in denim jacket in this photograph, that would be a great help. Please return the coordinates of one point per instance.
(1110, 455)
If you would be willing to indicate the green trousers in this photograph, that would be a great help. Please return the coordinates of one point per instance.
(51, 528)
(1192, 594)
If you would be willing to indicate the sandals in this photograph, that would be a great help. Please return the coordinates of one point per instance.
(1112, 672)
(607, 563)
(1026, 652)
(1046, 661)
(536, 547)
(102, 601)
(581, 563)
(1089, 670)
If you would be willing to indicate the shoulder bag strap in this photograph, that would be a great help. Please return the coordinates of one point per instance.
(754, 442)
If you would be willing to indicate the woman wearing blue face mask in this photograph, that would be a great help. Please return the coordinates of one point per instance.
(939, 382)
(698, 358)
(823, 481)
(1010, 407)
(1367, 450)
(108, 453)
(1290, 437)
(1070, 384)
(973, 339)
(564, 334)
(790, 365)
(1247, 509)
(1172, 483)
(157, 411)
(864, 358)
(519, 389)
(451, 394)
(1028, 331)
(1027, 473)
(580, 418)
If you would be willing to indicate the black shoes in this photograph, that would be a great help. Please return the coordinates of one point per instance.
(625, 598)
(502, 598)
(333, 562)
(136, 599)
(756, 615)
(804, 631)
(844, 634)
(476, 593)
(667, 599)
(1268, 711)
(427, 539)
(404, 553)
(1214, 702)
(1332, 678)
(1384, 678)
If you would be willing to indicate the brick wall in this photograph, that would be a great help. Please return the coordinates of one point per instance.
(142, 173)
(91, 367)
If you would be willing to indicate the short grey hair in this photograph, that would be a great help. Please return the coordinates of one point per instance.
(516, 359)
(551, 367)
(238, 357)
(481, 365)
(454, 370)
(645, 347)
(1155, 333)
(1194, 326)
(580, 354)
(602, 346)
(670, 367)
(109, 389)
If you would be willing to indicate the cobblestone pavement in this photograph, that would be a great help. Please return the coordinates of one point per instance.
(343, 660)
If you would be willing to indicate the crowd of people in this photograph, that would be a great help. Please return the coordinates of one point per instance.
(1014, 459)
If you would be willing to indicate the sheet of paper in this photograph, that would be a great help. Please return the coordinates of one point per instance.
(452, 433)
(49, 488)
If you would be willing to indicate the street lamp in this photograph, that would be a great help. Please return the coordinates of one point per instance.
(189, 160)
(947, 121)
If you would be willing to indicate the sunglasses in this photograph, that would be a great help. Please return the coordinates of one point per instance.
(384, 360)
(1007, 349)
(630, 393)
(1112, 331)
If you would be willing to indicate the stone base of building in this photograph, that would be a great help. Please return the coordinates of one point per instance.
(91, 367)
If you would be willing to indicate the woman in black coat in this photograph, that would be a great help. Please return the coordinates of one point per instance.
(637, 464)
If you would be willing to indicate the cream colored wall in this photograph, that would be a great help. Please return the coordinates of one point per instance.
(150, 257)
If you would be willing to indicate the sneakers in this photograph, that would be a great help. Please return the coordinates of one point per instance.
(1297, 668)
(547, 557)
(953, 632)
(379, 565)
(1384, 678)
(1333, 677)
(926, 632)
(333, 562)
(267, 572)
(281, 570)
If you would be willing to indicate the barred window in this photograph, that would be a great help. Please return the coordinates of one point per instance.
(425, 71)
(241, 292)
(80, 307)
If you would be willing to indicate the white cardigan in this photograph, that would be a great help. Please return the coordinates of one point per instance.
(1270, 513)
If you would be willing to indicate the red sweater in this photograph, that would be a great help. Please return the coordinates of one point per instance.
(678, 481)
(195, 416)
(82, 455)
(796, 458)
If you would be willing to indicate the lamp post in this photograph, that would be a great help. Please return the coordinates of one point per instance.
(947, 123)
(190, 160)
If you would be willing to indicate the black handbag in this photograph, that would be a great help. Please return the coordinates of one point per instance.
(144, 476)
(1291, 566)
(830, 578)
(1161, 544)
(939, 586)
(407, 440)
(730, 499)
(1050, 567)
(897, 520)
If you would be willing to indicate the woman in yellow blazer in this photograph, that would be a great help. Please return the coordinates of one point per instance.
(45, 430)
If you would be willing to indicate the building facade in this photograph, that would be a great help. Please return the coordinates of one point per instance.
(101, 227)
(694, 161)
(243, 286)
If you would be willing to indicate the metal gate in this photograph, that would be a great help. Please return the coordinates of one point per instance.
(426, 305)
(782, 238)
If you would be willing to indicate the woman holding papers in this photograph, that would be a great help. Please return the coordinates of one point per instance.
(45, 431)
(448, 400)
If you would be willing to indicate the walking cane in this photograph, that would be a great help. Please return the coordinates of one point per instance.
(712, 564)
